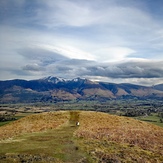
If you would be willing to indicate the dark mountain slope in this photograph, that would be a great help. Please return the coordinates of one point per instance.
(58, 89)
(158, 87)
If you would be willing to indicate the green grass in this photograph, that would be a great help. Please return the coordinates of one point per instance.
(4, 123)
(99, 138)
(17, 116)
(58, 143)
(154, 119)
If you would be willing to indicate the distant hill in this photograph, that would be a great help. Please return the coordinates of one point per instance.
(158, 87)
(100, 137)
(53, 89)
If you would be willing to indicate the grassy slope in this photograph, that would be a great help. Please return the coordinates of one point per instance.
(104, 138)
(18, 116)
(112, 138)
(34, 123)
(55, 142)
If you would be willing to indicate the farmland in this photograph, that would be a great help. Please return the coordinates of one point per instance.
(149, 111)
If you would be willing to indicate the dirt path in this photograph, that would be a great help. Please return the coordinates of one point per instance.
(58, 145)
(69, 151)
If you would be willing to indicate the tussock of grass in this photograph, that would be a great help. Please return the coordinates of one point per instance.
(102, 129)
(34, 123)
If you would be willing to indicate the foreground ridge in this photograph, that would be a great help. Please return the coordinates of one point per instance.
(100, 137)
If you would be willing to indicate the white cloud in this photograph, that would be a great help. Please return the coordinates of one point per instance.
(112, 54)
(68, 51)
(65, 13)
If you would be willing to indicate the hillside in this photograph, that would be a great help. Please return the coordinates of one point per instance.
(99, 138)
(112, 138)
(53, 89)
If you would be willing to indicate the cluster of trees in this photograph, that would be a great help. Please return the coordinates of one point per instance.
(160, 114)
(136, 113)
(7, 116)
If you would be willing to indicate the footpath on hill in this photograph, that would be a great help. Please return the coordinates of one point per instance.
(56, 145)
(68, 151)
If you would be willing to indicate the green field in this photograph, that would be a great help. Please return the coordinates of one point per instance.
(154, 119)
(17, 116)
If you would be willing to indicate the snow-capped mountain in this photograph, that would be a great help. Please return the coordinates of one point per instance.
(58, 89)
(53, 79)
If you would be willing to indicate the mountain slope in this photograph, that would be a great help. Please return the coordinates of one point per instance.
(159, 87)
(53, 89)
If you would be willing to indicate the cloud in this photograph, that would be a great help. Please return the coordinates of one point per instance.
(66, 13)
(41, 55)
(98, 39)
(88, 13)
(114, 53)
(128, 70)
(33, 67)
(69, 51)
(69, 68)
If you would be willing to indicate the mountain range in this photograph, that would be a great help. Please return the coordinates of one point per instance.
(54, 89)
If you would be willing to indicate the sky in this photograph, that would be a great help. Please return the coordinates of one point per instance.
(117, 41)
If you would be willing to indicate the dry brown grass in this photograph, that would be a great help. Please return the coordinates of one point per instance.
(106, 138)
(124, 132)
(34, 123)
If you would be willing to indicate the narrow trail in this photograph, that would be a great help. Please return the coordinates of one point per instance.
(59, 144)
(69, 151)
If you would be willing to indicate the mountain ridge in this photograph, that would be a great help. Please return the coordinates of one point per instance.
(54, 89)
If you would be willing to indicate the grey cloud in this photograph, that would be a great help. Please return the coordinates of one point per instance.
(49, 62)
(63, 69)
(19, 72)
(33, 67)
(69, 68)
(78, 62)
(127, 70)
(42, 56)
(143, 69)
